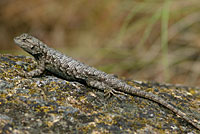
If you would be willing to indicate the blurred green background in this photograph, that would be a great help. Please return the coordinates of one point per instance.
(155, 40)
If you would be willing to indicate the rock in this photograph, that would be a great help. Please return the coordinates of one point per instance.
(48, 104)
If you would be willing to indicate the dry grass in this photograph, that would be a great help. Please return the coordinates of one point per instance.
(140, 39)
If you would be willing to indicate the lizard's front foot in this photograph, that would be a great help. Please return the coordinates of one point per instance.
(36, 72)
(22, 74)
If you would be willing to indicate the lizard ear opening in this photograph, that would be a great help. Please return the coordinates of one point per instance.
(37, 56)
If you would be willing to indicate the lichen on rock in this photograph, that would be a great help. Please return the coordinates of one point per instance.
(48, 104)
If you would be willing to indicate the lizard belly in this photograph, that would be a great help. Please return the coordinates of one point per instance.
(56, 71)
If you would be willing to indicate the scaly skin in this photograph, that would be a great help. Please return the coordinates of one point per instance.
(71, 69)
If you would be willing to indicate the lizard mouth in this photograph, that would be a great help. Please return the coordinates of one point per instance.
(28, 43)
(20, 39)
(16, 40)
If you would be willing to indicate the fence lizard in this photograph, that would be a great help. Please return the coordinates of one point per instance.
(71, 69)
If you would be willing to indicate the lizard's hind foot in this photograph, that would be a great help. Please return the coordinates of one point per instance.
(110, 92)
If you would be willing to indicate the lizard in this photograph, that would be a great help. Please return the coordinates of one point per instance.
(70, 69)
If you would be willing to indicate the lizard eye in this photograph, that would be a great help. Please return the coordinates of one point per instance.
(24, 39)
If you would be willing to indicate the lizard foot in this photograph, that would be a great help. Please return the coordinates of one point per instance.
(110, 92)
(22, 74)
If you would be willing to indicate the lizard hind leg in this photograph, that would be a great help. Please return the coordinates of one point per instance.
(109, 91)
(112, 92)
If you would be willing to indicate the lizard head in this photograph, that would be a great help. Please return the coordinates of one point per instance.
(30, 44)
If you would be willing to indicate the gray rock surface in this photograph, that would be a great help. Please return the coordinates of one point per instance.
(48, 104)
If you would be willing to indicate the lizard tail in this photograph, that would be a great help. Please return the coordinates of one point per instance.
(155, 98)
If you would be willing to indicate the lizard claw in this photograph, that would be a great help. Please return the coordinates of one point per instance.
(110, 92)
(21, 74)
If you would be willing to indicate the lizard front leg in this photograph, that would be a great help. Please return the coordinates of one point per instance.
(36, 72)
